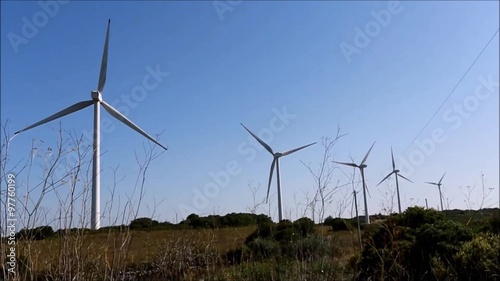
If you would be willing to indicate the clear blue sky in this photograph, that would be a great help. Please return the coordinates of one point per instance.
(241, 64)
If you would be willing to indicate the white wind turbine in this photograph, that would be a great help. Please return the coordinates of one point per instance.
(439, 188)
(275, 162)
(361, 167)
(396, 174)
(96, 101)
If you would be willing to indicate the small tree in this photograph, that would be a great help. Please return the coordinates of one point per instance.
(323, 177)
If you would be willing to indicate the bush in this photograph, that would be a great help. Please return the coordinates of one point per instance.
(479, 259)
(492, 225)
(38, 233)
(411, 246)
(263, 248)
(229, 220)
(264, 230)
(295, 239)
(305, 226)
(142, 223)
(311, 248)
(238, 255)
(337, 224)
(287, 235)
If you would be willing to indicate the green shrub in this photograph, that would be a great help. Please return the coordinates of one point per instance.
(311, 248)
(142, 223)
(305, 226)
(479, 259)
(338, 224)
(414, 245)
(229, 220)
(263, 248)
(492, 224)
(286, 239)
(265, 230)
(284, 224)
(38, 233)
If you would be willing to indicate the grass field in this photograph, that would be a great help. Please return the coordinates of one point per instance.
(137, 250)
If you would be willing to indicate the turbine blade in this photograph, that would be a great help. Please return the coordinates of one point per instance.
(127, 122)
(267, 147)
(270, 178)
(393, 164)
(431, 183)
(104, 62)
(368, 191)
(296, 149)
(441, 178)
(404, 178)
(347, 164)
(386, 177)
(75, 107)
(368, 153)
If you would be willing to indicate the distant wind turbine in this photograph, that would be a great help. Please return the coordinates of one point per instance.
(96, 101)
(396, 174)
(275, 162)
(361, 167)
(355, 199)
(439, 188)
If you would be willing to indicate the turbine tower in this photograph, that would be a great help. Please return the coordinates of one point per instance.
(361, 167)
(96, 101)
(439, 188)
(355, 199)
(396, 174)
(275, 162)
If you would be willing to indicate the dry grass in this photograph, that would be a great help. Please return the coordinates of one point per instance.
(115, 252)
(139, 244)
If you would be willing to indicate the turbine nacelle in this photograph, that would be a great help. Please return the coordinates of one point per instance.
(96, 96)
(277, 155)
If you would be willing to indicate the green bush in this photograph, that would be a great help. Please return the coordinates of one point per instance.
(38, 233)
(479, 259)
(265, 230)
(492, 224)
(229, 220)
(305, 226)
(338, 224)
(286, 241)
(142, 223)
(414, 245)
(311, 248)
(263, 248)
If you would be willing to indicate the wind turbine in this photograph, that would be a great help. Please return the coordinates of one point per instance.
(396, 174)
(96, 101)
(439, 188)
(361, 167)
(355, 199)
(275, 162)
